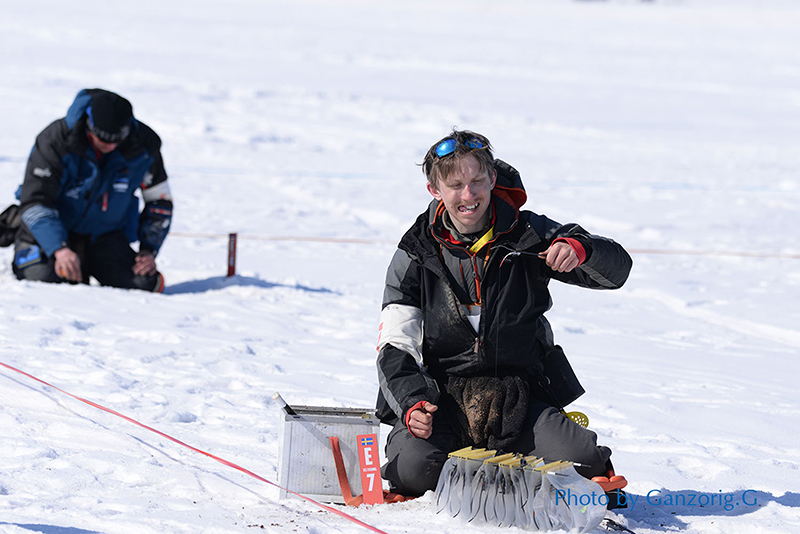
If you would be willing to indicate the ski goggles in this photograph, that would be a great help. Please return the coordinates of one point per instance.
(448, 146)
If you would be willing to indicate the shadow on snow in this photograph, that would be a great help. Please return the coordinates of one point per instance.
(664, 508)
(222, 282)
(51, 529)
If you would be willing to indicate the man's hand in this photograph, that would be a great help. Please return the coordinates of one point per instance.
(144, 264)
(560, 257)
(420, 422)
(68, 264)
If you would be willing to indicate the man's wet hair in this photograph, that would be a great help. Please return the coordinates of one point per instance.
(436, 166)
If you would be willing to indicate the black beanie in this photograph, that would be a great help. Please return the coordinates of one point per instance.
(110, 117)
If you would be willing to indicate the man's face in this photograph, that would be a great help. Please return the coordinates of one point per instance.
(100, 145)
(466, 194)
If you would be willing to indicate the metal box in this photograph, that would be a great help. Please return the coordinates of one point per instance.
(305, 460)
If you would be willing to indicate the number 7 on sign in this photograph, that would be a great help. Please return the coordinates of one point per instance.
(369, 460)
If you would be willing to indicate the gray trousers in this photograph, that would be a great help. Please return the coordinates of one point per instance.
(413, 464)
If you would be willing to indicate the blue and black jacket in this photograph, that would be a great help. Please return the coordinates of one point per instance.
(71, 188)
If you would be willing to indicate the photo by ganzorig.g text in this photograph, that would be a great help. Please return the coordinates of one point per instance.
(661, 498)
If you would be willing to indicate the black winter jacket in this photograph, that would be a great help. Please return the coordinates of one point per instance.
(425, 334)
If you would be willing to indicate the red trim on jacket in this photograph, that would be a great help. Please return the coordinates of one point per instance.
(514, 196)
(418, 406)
(576, 246)
(97, 153)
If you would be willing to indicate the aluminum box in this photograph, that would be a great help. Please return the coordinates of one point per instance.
(305, 460)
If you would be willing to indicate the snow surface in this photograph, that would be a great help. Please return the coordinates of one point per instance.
(667, 125)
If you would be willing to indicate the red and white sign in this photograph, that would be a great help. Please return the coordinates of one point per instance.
(370, 462)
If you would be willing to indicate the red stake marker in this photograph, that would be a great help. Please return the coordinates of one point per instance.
(231, 254)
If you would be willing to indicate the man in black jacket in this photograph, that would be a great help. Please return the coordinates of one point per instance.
(466, 356)
(78, 205)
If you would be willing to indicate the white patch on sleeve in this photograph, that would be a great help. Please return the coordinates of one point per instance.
(36, 213)
(42, 172)
(157, 192)
(401, 326)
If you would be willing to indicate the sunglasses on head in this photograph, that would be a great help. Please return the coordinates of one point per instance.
(448, 146)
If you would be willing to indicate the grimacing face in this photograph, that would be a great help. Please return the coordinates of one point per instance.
(467, 194)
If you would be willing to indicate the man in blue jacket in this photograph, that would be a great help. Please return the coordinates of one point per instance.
(78, 204)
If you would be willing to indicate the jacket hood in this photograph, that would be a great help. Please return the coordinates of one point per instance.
(509, 185)
(78, 108)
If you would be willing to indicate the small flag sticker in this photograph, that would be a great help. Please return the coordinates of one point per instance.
(366, 441)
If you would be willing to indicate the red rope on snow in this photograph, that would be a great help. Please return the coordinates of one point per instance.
(358, 241)
(181, 443)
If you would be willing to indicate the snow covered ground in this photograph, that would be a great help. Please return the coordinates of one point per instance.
(669, 125)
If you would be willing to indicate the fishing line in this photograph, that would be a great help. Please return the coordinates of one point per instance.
(359, 241)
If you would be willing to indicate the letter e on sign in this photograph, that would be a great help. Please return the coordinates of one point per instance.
(369, 460)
